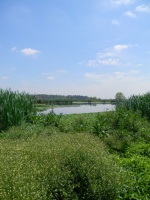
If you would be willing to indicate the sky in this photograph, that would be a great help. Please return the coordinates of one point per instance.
(75, 47)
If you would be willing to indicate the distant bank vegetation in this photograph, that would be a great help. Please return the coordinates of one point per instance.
(68, 99)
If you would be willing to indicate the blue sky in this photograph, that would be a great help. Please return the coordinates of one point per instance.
(75, 47)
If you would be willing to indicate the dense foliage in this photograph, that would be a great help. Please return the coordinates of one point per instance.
(15, 108)
(82, 156)
(58, 97)
(68, 99)
(139, 103)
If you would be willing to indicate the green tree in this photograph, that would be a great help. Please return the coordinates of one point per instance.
(119, 97)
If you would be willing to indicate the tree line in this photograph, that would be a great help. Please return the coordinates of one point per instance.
(67, 99)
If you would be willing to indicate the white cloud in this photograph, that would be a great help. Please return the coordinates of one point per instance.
(108, 53)
(122, 2)
(46, 73)
(109, 57)
(119, 75)
(114, 77)
(120, 47)
(140, 65)
(12, 68)
(62, 71)
(143, 8)
(92, 63)
(4, 77)
(115, 22)
(105, 77)
(134, 71)
(14, 48)
(50, 77)
(110, 61)
(130, 14)
(93, 76)
(29, 51)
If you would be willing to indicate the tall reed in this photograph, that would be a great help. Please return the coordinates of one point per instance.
(15, 108)
(139, 103)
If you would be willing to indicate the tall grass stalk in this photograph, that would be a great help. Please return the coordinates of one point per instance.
(15, 108)
(139, 103)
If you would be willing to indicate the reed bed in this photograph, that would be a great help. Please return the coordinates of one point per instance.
(15, 108)
(140, 103)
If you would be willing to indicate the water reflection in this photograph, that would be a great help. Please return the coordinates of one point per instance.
(82, 108)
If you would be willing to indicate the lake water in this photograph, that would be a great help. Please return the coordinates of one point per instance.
(78, 109)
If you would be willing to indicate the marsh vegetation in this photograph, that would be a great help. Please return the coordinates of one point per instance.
(80, 156)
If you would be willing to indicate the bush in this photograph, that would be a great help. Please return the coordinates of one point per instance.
(139, 166)
(100, 126)
(47, 119)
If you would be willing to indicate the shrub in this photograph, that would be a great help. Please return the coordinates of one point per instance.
(139, 166)
(100, 126)
(47, 119)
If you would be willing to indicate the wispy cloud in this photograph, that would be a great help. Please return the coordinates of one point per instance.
(129, 14)
(118, 75)
(12, 69)
(62, 71)
(115, 22)
(121, 2)
(110, 61)
(29, 51)
(143, 8)
(98, 61)
(109, 57)
(120, 47)
(50, 77)
(103, 77)
(94, 76)
(54, 75)
(4, 77)
(134, 71)
(46, 73)
(14, 48)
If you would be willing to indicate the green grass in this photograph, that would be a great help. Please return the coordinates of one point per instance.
(58, 166)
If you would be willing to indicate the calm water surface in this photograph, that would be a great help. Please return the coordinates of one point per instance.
(81, 109)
